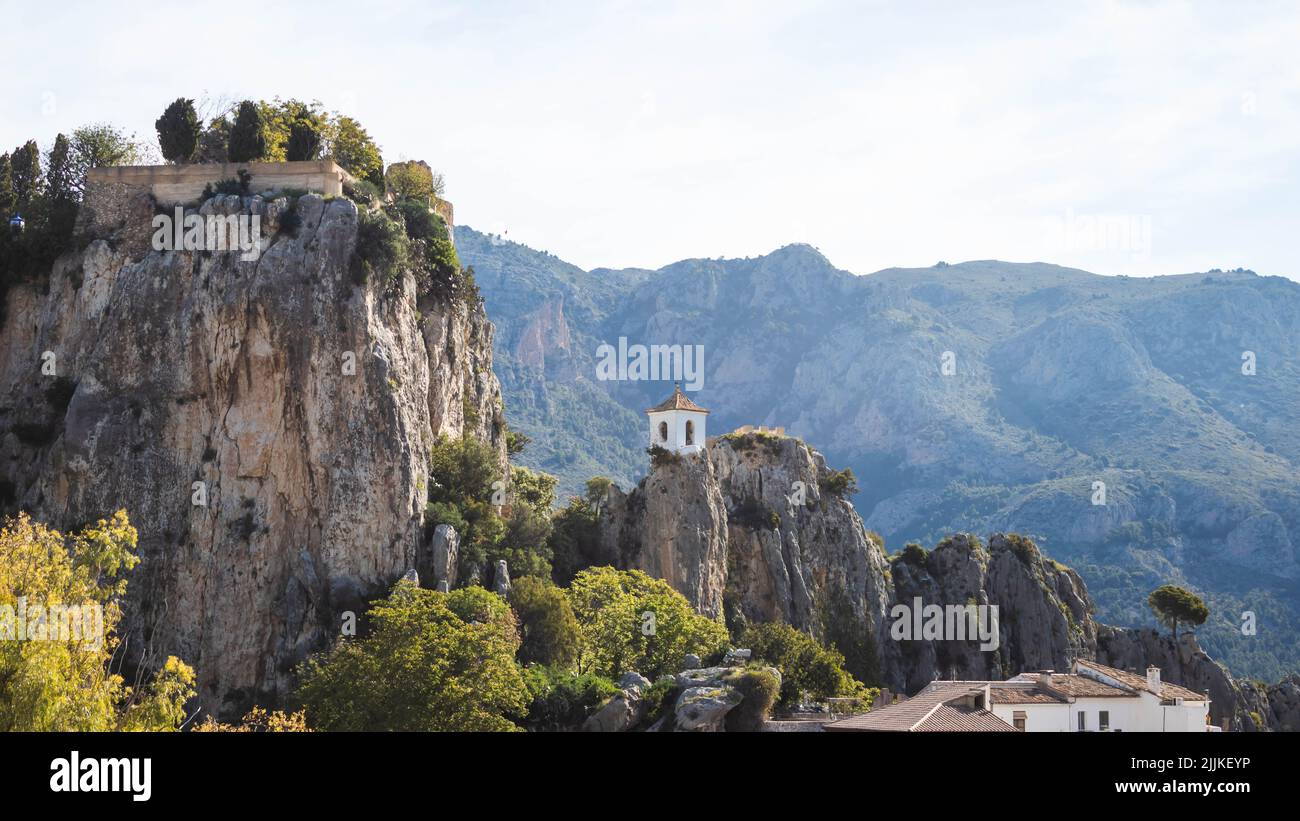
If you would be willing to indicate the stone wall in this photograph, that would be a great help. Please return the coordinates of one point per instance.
(185, 183)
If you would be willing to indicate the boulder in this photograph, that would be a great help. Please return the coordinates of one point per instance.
(443, 554)
(501, 580)
(632, 680)
(620, 713)
(703, 709)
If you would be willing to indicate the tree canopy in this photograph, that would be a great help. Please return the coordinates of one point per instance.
(431, 661)
(1173, 604)
(58, 676)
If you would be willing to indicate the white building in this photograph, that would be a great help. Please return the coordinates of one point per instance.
(677, 424)
(1093, 698)
(1097, 698)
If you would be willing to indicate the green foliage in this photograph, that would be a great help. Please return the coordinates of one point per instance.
(178, 131)
(598, 488)
(661, 456)
(630, 621)
(533, 488)
(26, 173)
(414, 180)
(575, 540)
(362, 192)
(759, 689)
(516, 442)
(248, 134)
(547, 625)
(1173, 604)
(461, 494)
(840, 483)
(381, 245)
(914, 555)
(353, 149)
(1024, 548)
(806, 666)
(560, 699)
(431, 662)
(259, 720)
(68, 684)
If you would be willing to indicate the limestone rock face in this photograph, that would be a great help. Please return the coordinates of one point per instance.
(748, 517)
(293, 405)
(795, 553)
(1245, 705)
(673, 526)
(1044, 614)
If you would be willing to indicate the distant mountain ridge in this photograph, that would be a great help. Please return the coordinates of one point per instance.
(1059, 380)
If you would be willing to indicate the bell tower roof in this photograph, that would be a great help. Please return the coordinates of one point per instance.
(678, 401)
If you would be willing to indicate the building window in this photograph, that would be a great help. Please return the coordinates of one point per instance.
(1083, 721)
(1103, 720)
(663, 431)
(1018, 720)
(690, 432)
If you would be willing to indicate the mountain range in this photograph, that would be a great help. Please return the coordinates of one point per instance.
(1140, 429)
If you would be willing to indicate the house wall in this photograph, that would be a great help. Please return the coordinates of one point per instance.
(1143, 714)
(676, 421)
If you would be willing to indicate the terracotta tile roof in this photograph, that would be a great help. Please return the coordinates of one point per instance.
(949, 719)
(678, 401)
(1078, 686)
(1139, 682)
(927, 712)
(1001, 693)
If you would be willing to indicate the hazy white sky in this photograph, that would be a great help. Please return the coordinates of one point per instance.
(1140, 138)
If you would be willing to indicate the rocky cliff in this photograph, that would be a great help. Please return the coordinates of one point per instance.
(983, 396)
(747, 529)
(265, 423)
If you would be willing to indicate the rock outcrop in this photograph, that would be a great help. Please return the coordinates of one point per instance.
(747, 529)
(265, 423)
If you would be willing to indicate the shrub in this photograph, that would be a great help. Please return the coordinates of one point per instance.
(661, 456)
(915, 555)
(1024, 549)
(178, 131)
(381, 246)
(259, 720)
(839, 483)
(559, 699)
(432, 661)
(548, 628)
(805, 665)
(362, 192)
(759, 688)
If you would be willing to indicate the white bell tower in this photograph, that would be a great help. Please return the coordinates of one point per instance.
(677, 424)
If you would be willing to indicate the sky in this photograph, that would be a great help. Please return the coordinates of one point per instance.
(1122, 138)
